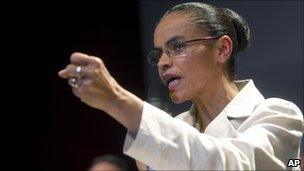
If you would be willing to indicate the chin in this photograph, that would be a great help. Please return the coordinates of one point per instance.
(177, 99)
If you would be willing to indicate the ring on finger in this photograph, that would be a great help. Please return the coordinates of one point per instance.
(78, 70)
(73, 82)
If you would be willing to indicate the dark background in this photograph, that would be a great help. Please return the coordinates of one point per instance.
(47, 128)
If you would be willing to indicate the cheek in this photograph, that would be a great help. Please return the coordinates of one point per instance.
(197, 72)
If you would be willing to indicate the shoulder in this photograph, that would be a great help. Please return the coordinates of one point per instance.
(279, 106)
(276, 111)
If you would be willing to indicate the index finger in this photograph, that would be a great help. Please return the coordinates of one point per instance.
(80, 59)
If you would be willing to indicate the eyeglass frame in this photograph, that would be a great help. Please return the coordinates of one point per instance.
(181, 43)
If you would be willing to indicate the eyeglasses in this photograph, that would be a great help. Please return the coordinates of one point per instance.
(174, 48)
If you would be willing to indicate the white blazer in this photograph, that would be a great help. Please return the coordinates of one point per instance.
(251, 133)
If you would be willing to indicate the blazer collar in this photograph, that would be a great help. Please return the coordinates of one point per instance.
(241, 106)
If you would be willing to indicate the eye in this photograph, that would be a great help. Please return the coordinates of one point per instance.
(179, 46)
(158, 54)
(176, 47)
(154, 55)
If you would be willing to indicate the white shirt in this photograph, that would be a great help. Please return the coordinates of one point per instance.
(251, 133)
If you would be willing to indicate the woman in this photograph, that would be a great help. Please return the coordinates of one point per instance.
(229, 126)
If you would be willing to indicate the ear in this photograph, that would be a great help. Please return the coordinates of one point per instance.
(225, 46)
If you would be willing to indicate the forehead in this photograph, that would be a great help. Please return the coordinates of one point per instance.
(175, 25)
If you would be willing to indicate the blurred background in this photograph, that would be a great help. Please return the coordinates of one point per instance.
(47, 128)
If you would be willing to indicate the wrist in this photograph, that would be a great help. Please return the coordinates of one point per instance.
(126, 108)
(117, 101)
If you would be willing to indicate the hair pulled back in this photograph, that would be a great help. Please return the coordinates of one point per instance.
(217, 21)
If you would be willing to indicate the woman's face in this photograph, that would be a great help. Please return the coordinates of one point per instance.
(189, 73)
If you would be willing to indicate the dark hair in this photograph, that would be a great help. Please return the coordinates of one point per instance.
(113, 159)
(217, 22)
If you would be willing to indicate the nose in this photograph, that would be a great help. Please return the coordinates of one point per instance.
(164, 62)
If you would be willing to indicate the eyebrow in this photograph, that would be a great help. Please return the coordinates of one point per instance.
(172, 39)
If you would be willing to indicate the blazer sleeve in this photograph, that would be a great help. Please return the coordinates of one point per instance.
(266, 140)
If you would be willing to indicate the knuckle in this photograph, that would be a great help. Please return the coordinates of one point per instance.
(98, 61)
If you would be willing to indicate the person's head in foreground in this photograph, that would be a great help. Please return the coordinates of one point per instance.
(108, 163)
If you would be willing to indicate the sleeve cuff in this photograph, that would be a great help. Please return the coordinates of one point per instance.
(137, 145)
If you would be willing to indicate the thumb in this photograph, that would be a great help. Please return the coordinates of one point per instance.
(78, 58)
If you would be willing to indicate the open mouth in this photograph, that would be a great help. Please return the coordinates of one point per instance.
(172, 80)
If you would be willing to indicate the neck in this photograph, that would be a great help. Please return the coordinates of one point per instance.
(214, 98)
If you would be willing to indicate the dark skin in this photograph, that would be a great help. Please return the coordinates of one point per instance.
(201, 67)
